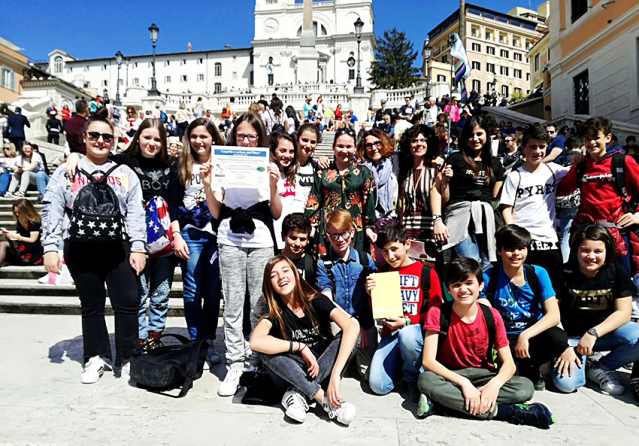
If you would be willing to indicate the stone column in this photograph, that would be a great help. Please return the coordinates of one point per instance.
(307, 60)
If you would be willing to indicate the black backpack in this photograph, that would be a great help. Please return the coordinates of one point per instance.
(96, 214)
(277, 126)
(531, 278)
(444, 325)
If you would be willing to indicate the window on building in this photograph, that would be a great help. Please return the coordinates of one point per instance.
(218, 69)
(504, 90)
(517, 90)
(234, 75)
(251, 79)
(136, 81)
(183, 62)
(8, 78)
(474, 32)
(445, 59)
(517, 73)
(489, 35)
(86, 68)
(537, 64)
(167, 79)
(503, 71)
(581, 88)
(351, 74)
(105, 83)
(200, 61)
(490, 87)
(217, 88)
(167, 63)
(476, 85)
(271, 79)
(579, 8)
(504, 54)
(527, 76)
(57, 64)
(184, 78)
(200, 77)
(490, 50)
(69, 69)
(87, 84)
(150, 64)
(476, 65)
(518, 57)
(234, 58)
(104, 67)
(502, 38)
(476, 47)
(490, 67)
(441, 78)
(322, 29)
(528, 44)
(515, 42)
(135, 64)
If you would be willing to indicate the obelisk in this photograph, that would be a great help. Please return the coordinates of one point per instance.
(308, 57)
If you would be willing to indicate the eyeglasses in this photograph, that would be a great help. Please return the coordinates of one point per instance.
(343, 235)
(507, 140)
(345, 131)
(550, 132)
(94, 136)
(242, 137)
(376, 144)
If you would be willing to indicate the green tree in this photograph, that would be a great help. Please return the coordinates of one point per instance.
(393, 67)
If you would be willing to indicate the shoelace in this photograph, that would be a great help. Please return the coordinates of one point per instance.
(292, 398)
(606, 377)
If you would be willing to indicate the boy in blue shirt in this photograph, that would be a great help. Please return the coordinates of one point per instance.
(525, 299)
(341, 276)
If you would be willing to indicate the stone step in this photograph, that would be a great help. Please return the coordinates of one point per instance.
(36, 304)
(31, 287)
(6, 206)
(35, 272)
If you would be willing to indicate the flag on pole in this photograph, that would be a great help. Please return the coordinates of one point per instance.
(460, 60)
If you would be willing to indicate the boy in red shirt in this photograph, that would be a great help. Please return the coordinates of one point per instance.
(402, 339)
(459, 375)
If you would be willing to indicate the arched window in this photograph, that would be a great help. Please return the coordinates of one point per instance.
(322, 30)
(57, 65)
(218, 69)
(218, 87)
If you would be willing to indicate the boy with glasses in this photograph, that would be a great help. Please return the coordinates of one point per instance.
(341, 276)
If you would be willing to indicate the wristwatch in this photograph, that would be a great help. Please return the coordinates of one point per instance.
(593, 332)
(437, 217)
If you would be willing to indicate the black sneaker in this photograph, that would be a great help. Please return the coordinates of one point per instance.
(540, 385)
(634, 387)
(535, 414)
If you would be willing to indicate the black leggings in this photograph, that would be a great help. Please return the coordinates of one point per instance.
(91, 264)
(547, 345)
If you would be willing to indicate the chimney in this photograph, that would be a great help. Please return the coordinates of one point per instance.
(227, 47)
(189, 47)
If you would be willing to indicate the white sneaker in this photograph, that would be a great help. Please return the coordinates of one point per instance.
(93, 370)
(295, 405)
(605, 378)
(231, 383)
(125, 372)
(343, 414)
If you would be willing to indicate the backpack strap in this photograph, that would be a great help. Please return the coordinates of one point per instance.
(554, 179)
(617, 167)
(191, 366)
(102, 179)
(363, 258)
(446, 312)
(533, 281)
(308, 266)
(580, 170)
(492, 283)
(425, 286)
(491, 329)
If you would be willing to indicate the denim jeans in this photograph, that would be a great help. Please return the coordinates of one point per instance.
(623, 346)
(564, 219)
(398, 351)
(286, 370)
(154, 284)
(42, 179)
(202, 285)
(472, 247)
(5, 178)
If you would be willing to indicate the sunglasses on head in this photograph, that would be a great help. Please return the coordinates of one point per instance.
(345, 131)
(94, 136)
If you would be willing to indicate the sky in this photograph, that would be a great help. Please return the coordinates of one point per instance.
(99, 28)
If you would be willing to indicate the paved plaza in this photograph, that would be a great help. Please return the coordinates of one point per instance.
(43, 403)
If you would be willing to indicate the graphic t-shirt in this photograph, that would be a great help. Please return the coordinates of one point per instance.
(306, 178)
(301, 329)
(466, 344)
(518, 306)
(293, 200)
(410, 282)
(465, 185)
(589, 301)
(309, 276)
(532, 196)
(195, 197)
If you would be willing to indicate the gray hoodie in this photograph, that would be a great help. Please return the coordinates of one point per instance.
(62, 191)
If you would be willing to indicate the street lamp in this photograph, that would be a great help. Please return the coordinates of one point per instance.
(358, 33)
(118, 60)
(154, 37)
(427, 52)
(495, 85)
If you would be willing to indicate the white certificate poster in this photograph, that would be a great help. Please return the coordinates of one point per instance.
(240, 167)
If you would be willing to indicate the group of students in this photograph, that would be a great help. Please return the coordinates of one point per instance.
(336, 222)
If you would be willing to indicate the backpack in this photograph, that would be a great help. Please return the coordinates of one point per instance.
(159, 237)
(277, 126)
(363, 260)
(96, 215)
(226, 111)
(424, 282)
(163, 116)
(531, 278)
(444, 325)
(617, 168)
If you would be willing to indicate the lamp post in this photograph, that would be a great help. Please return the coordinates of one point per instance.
(126, 86)
(118, 60)
(358, 33)
(428, 50)
(154, 37)
(495, 86)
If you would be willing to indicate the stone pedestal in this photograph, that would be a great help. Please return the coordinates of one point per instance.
(149, 102)
(359, 105)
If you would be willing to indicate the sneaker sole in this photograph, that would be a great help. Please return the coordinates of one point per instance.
(93, 381)
(294, 418)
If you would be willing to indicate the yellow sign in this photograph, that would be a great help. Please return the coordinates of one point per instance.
(387, 295)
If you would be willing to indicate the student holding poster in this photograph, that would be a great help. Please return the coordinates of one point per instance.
(246, 240)
(400, 348)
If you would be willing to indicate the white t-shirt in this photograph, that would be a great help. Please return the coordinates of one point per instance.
(194, 195)
(532, 196)
(244, 198)
(24, 162)
(293, 198)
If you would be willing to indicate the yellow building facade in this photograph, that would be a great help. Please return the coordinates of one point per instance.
(13, 65)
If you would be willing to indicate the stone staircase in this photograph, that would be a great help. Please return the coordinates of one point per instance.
(325, 147)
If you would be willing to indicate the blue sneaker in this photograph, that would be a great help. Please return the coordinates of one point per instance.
(535, 414)
(425, 407)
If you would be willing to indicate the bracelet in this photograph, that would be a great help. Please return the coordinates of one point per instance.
(303, 348)
(138, 250)
(437, 217)
(290, 347)
(176, 232)
(407, 319)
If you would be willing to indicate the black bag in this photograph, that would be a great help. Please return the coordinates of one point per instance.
(169, 366)
(96, 214)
